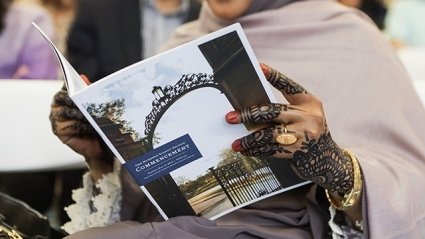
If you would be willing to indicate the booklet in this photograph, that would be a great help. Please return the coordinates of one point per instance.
(163, 118)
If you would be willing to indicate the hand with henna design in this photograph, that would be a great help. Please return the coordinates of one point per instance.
(314, 156)
(72, 128)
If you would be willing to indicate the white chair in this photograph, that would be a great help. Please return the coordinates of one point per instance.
(26, 139)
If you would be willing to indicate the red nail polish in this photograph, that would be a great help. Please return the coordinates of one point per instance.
(232, 117)
(236, 145)
(265, 69)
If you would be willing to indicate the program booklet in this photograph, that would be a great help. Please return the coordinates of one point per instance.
(164, 119)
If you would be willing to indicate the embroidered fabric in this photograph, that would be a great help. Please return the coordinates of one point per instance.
(96, 205)
(342, 229)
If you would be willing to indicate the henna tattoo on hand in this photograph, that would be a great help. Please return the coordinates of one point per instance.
(83, 128)
(265, 151)
(318, 159)
(69, 111)
(62, 98)
(284, 84)
(324, 163)
(53, 124)
(261, 143)
(262, 113)
(259, 138)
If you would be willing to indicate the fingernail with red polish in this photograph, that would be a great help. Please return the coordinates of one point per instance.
(232, 117)
(236, 145)
(265, 69)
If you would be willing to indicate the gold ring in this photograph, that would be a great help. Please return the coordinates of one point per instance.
(286, 138)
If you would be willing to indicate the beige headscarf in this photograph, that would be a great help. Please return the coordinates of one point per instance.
(209, 22)
(264, 5)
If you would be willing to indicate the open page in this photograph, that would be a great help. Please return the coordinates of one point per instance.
(72, 79)
(163, 118)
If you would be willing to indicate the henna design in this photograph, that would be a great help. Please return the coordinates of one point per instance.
(267, 150)
(81, 124)
(53, 124)
(262, 113)
(257, 139)
(324, 163)
(261, 143)
(68, 111)
(62, 98)
(284, 84)
(82, 128)
(320, 161)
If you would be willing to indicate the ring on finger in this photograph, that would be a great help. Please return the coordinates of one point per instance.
(286, 138)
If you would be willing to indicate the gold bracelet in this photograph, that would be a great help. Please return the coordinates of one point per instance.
(353, 195)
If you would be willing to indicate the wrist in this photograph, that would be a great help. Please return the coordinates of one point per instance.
(97, 173)
(350, 198)
(100, 163)
(98, 167)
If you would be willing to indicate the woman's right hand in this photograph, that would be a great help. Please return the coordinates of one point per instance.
(73, 129)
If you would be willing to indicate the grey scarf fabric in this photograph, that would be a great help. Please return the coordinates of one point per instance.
(262, 5)
(209, 22)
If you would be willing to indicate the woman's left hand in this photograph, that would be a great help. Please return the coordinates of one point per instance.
(297, 132)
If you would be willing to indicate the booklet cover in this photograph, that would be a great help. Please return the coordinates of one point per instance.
(163, 118)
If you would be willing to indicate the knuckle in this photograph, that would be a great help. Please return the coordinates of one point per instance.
(317, 123)
(261, 113)
(314, 133)
(319, 104)
(318, 119)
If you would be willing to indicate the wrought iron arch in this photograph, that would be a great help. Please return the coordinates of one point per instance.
(166, 97)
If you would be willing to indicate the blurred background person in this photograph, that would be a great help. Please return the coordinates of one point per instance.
(62, 12)
(24, 54)
(108, 35)
(405, 23)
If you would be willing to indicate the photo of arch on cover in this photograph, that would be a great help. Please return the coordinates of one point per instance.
(163, 118)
